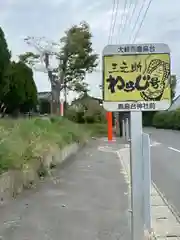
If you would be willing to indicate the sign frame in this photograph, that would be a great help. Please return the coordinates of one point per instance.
(121, 106)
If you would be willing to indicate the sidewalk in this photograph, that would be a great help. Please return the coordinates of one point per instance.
(164, 223)
(87, 199)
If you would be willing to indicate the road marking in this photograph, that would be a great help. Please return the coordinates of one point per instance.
(154, 143)
(106, 149)
(124, 166)
(106, 140)
(174, 149)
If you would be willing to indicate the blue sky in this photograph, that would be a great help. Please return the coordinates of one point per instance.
(50, 19)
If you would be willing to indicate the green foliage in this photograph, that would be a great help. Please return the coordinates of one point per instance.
(5, 55)
(25, 141)
(167, 120)
(29, 58)
(44, 106)
(173, 85)
(4, 63)
(21, 94)
(86, 110)
(77, 56)
(18, 91)
(148, 118)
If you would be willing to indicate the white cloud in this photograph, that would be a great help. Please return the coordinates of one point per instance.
(51, 18)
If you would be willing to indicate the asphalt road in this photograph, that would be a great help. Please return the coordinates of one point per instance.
(165, 163)
(86, 199)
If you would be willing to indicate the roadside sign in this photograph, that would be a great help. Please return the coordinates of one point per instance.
(136, 77)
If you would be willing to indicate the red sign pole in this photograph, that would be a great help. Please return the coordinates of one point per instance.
(110, 127)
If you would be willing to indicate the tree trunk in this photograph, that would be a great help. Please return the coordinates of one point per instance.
(55, 103)
(65, 99)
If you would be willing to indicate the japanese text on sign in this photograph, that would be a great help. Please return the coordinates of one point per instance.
(140, 106)
(137, 48)
(136, 77)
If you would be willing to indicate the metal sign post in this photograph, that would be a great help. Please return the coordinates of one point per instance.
(147, 181)
(123, 129)
(137, 187)
(127, 129)
(136, 78)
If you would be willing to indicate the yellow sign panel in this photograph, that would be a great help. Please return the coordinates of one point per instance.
(137, 77)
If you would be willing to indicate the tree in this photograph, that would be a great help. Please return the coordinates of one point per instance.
(29, 58)
(5, 57)
(76, 58)
(21, 92)
(30, 89)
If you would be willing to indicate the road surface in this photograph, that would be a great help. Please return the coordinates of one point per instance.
(165, 153)
(86, 199)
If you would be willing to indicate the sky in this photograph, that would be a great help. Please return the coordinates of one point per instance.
(49, 19)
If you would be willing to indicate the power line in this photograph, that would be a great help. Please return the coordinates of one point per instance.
(116, 12)
(126, 17)
(111, 23)
(142, 21)
(133, 12)
(121, 22)
(137, 19)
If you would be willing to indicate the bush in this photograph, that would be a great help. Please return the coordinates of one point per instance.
(167, 120)
(92, 115)
(75, 116)
(89, 119)
(176, 120)
(148, 118)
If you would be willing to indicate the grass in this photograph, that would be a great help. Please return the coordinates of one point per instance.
(23, 141)
(97, 129)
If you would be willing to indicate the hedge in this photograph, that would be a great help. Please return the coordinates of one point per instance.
(167, 120)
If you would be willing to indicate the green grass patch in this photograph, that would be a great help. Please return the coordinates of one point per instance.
(26, 140)
(22, 140)
(97, 129)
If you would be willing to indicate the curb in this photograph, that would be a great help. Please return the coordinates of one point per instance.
(165, 224)
(170, 207)
(148, 235)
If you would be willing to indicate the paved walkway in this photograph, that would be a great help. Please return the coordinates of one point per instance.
(86, 200)
(165, 221)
